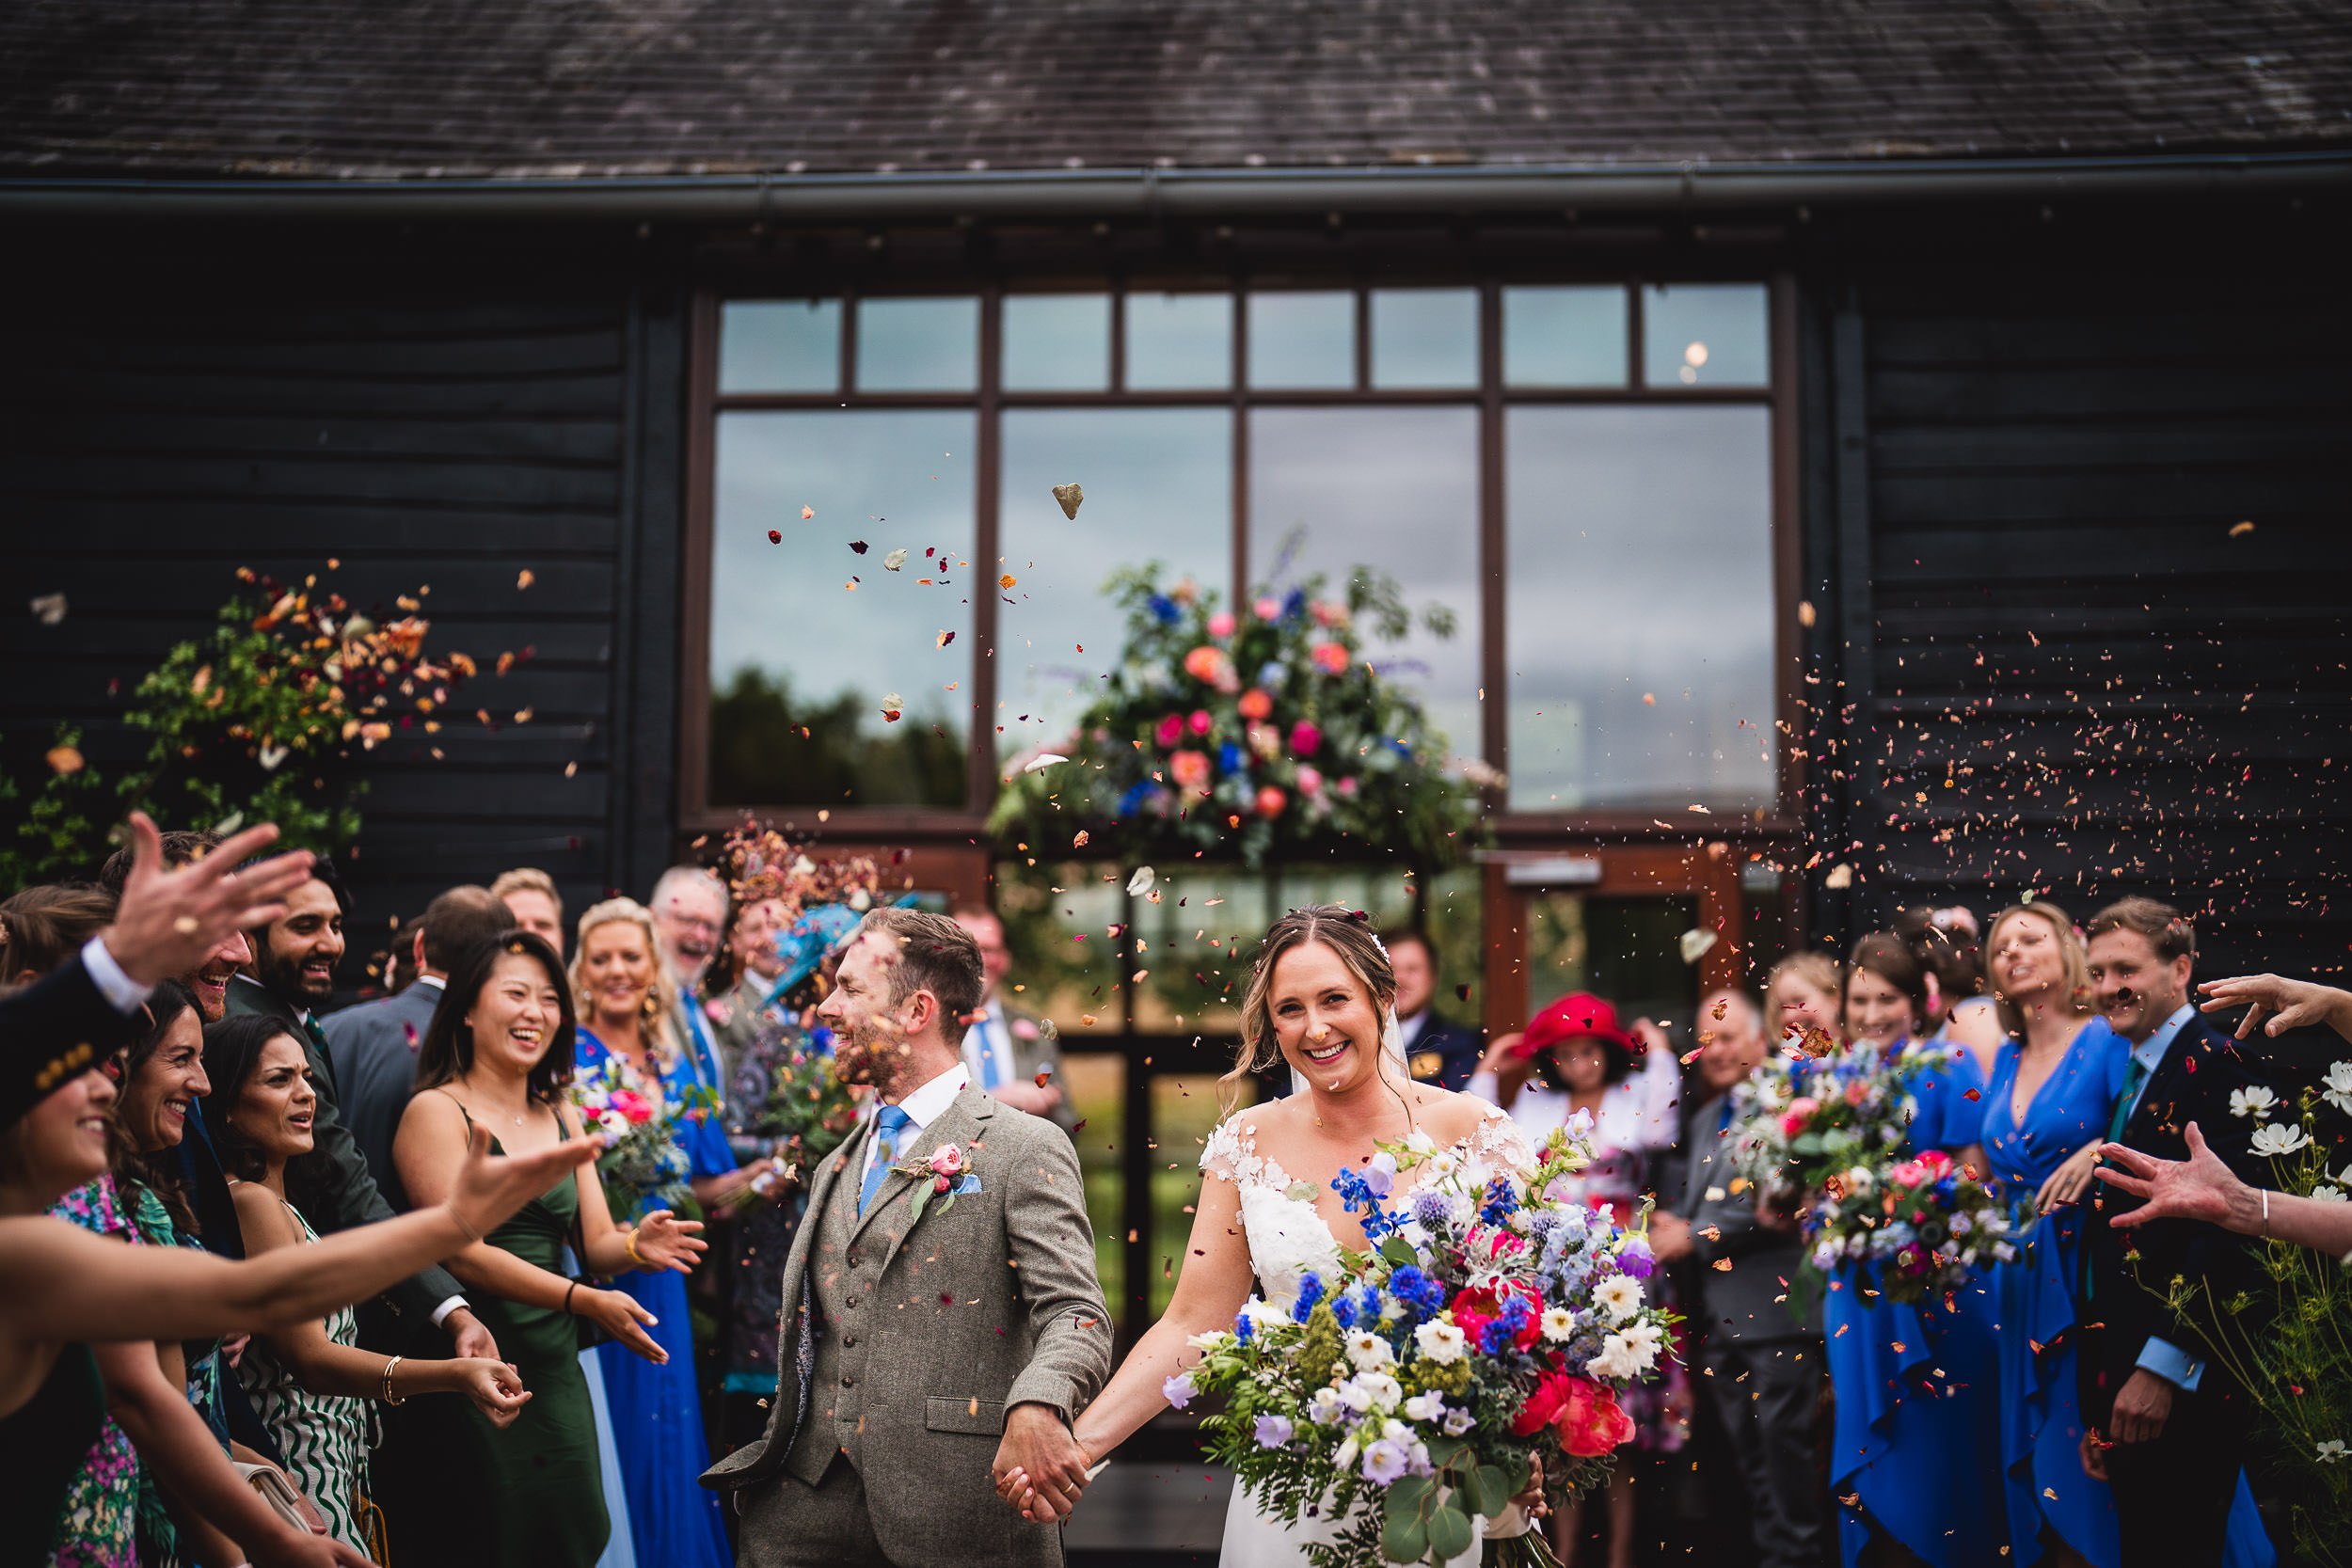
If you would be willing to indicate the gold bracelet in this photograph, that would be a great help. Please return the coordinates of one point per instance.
(629, 1241)
(389, 1398)
(463, 1229)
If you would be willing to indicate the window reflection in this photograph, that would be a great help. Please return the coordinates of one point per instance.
(1640, 607)
(1424, 337)
(1623, 949)
(769, 345)
(1704, 335)
(794, 648)
(1179, 342)
(1569, 336)
(1061, 919)
(1056, 342)
(1158, 487)
(918, 345)
(1184, 1110)
(1394, 489)
(1302, 340)
(1096, 1084)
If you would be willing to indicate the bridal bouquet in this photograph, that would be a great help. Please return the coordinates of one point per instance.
(809, 1109)
(1493, 1325)
(1799, 1119)
(639, 1119)
(1924, 1222)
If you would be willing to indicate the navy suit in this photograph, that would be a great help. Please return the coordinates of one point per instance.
(2173, 1496)
(372, 1048)
(1446, 1053)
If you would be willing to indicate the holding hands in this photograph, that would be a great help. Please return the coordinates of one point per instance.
(1039, 1468)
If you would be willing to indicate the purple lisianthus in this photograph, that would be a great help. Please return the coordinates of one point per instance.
(1273, 1431)
(1635, 1257)
(1178, 1390)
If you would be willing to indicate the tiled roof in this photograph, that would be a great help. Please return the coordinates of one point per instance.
(599, 87)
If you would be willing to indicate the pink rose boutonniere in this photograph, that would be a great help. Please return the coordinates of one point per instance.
(944, 1173)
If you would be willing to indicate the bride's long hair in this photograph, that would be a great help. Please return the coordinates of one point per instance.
(1349, 935)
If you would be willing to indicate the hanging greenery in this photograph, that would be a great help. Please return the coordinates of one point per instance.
(1264, 734)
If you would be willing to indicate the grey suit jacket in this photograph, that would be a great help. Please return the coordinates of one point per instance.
(372, 1048)
(1749, 1298)
(958, 1316)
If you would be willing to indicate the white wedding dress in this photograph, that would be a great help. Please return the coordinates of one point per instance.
(1287, 1237)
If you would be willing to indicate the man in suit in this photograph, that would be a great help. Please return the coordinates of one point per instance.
(1007, 1051)
(293, 972)
(2176, 1421)
(1439, 1053)
(1763, 1364)
(373, 1047)
(904, 1369)
(689, 909)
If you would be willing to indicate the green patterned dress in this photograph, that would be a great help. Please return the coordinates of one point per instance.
(323, 1436)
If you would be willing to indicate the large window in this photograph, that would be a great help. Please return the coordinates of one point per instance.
(1577, 476)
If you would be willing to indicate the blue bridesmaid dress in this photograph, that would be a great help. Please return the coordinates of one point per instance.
(1917, 1447)
(2042, 1421)
(657, 1411)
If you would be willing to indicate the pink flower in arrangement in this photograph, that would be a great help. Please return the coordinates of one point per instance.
(1910, 1173)
(1190, 769)
(1199, 721)
(947, 1159)
(1327, 613)
(1935, 1161)
(1590, 1422)
(1801, 1110)
(632, 1106)
(1306, 739)
(1271, 801)
(1330, 657)
(1221, 623)
(1171, 730)
(1207, 662)
(1310, 782)
(1255, 704)
(1267, 610)
(1347, 788)
(1855, 1095)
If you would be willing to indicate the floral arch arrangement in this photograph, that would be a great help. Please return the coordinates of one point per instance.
(1263, 733)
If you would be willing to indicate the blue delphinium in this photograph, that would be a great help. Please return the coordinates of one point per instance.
(1229, 759)
(1310, 1292)
(1501, 1201)
(1294, 603)
(1357, 1194)
(1163, 610)
(1244, 1329)
(1344, 1308)
(1416, 1289)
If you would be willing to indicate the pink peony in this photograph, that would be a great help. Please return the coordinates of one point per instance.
(1199, 721)
(1305, 738)
(1590, 1422)
(1255, 704)
(1330, 657)
(1221, 623)
(1171, 730)
(1271, 801)
(1267, 610)
(1801, 1110)
(632, 1106)
(1310, 782)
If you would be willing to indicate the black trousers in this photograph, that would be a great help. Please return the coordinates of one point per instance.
(1765, 1396)
(2174, 1495)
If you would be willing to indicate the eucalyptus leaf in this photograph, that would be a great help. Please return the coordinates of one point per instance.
(1408, 1495)
(1445, 1451)
(1488, 1490)
(1450, 1533)
(1405, 1538)
(947, 1203)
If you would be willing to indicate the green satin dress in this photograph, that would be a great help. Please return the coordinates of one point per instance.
(457, 1491)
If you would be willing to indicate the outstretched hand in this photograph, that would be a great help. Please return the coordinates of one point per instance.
(2198, 1188)
(666, 1241)
(2292, 1003)
(170, 921)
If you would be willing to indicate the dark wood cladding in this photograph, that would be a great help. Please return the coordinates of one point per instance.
(2068, 664)
(428, 418)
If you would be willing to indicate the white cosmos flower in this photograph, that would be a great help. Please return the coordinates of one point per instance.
(2327, 1195)
(1616, 1361)
(1441, 1341)
(2333, 1452)
(2339, 1090)
(1367, 1350)
(1619, 1296)
(2279, 1140)
(2252, 1101)
(1559, 1324)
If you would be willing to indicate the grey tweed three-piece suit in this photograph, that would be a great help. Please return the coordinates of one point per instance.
(903, 1345)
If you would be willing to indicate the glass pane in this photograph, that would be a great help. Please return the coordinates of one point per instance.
(1194, 948)
(1640, 605)
(1572, 336)
(1704, 335)
(1061, 919)
(918, 345)
(1622, 949)
(1456, 926)
(780, 346)
(1058, 343)
(1179, 342)
(1766, 912)
(799, 660)
(1158, 487)
(1394, 489)
(1424, 337)
(1302, 341)
(1185, 1109)
(1096, 1082)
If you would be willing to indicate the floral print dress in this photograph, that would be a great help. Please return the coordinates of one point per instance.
(98, 1524)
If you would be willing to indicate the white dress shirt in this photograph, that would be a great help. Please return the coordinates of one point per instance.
(922, 1107)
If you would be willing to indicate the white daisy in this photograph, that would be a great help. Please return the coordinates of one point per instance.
(1559, 1324)
(1367, 1350)
(1619, 1296)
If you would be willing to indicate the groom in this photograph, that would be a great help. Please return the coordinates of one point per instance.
(917, 1346)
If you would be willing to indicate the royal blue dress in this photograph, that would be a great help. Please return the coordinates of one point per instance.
(2041, 1420)
(1918, 1448)
(657, 1411)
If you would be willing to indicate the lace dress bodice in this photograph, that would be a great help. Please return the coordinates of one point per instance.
(1286, 1234)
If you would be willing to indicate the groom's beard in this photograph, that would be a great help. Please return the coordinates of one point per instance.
(877, 1053)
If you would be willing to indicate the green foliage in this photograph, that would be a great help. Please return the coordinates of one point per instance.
(1261, 735)
(760, 756)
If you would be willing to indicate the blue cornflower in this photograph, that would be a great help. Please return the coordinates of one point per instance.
(1344, 1308)
(1294, 604)
(1412, 1286)
(1165, 610)
(1310, 1292)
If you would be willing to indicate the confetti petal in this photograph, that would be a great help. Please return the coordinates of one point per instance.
(1695, 943)
(945, 638)
(1070, 497)
(859, 545)
(1141, 882)
(64, 759)
(806, 513)
(1006, 580)
(524, 579)
(775, 536)
(892, 707)
(49, 609)
(1040, 762)
(2239, 531)
(895, 560)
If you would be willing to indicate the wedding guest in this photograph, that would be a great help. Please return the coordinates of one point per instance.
(459, 1490)
(1573, 1060)
(1945, 941)
(690, 911)
(311, 1383)
(743, 978)
(2175, 1418)
(621, 986)
(1438, 1052)
(1762, 1365)
(1801, 996)
(207, 979)
(399, 969)
(530, 895)
(373, 1047)
(1916, 1459)
(291, 974)
(1005, 1050)
(40, 927)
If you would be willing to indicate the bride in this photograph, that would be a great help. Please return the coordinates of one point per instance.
(1323, 997)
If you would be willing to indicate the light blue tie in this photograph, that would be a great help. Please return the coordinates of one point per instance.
(992, 1074)
(889, 1123)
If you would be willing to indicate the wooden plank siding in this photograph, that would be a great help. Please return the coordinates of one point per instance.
(448, 421)
(2067, 674)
